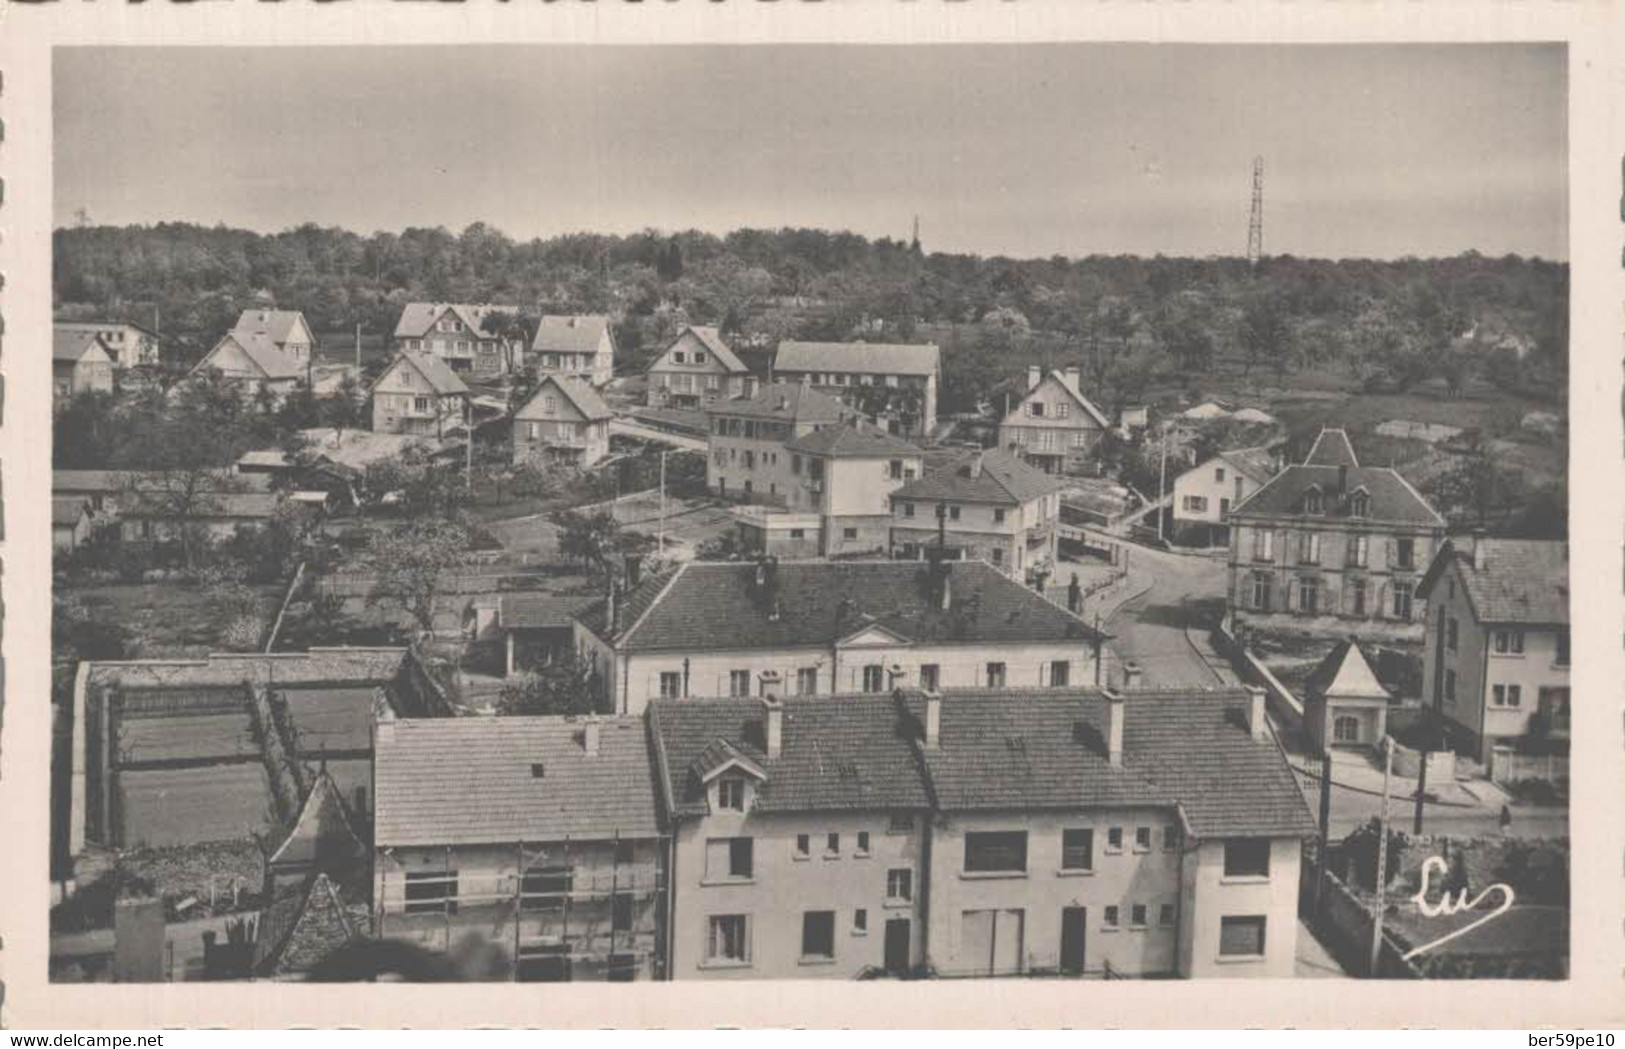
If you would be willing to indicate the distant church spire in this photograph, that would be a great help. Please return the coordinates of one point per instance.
(914, 245)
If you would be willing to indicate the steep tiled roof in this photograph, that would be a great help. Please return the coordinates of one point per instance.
(303, 925)
(533, 611)
(584, 397)
(1519, 581)
(789, 401)
(472, 781)
(1002, 750)
(322, 834)
(838, 752)
(1060, 379)
(72, 345)
(1345, 673)
(994, 476)
(66, 510)
(720, 605)
(569, 334)
(843, 441)
(417, 317)
(1331, 448)
(1393, 500)
(719, 349)
(866, 358)
(1257, 464)
(441, 378)
(630, 606)
(259, 348)
(278, 325)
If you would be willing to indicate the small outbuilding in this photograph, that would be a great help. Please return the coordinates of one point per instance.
(1345, 705)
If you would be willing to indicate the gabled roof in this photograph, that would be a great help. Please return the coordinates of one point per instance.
(536, 611)
(788, 401)
(72, 345)
(839, 753)
(994, 476)
(718, 756)
(711, 339)
(846, 442)
(1516, 581)
(1014, 750)
(868, 358)
(1060, 379)
(278, 325)
(580, 333)
(1331, 448)
(302, 926)
(66, 510)
(584, 397)
(262, 351)
(418, 317)
(1257, 464)
(630, 606)
(440, 377)
(1345, 673)
(322, 834)
(702, 606)
(473, 781)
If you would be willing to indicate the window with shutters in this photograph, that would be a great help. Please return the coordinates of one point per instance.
(807, 681)
(1309, 548)
(996, 852)
(1263, 545)
(1308, 595)
(874, 678)
(739, 682)
(1402, 601)
(729, 859)
(1078, 849)
(1359, 549)
(995, 675)
(671, 684)
(1241, 936)
(1359, 505)
(1312, 501)
(1259, 592)
(1357, 597)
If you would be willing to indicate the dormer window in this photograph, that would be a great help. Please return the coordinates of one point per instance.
(731, 793)
(1359, 504)
(1312, 503)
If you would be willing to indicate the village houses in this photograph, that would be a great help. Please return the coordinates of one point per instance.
(564, 420)
(1204, 495)
(994, 508)
(797, 827)
(1054, 426)
(814, 627)
(70, 524)
(895, 384)
(540, 834)
(418, 394)
(1329, 547)
(130, 345)
(696, 369)
(287, 330)
(268, 350)
(80, 363)
(1345, 704)
(1497, 661)
(456, 333)
(577, 346)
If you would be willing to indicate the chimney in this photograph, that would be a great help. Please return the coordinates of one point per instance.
(591, 728)
(634, 571)
(784, 402)
(975, 467)
(1475, 545)
(894, 676)
(1071, 374)
(933, 719)
(612, 612)
(1034, 374)
(1256, 723)
(773, 718)
(1131, 676)
(945, 584)
(1115, 713)
(1342, 478)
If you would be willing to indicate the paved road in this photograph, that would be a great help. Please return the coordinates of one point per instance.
(1150, 630)
(1353, 808)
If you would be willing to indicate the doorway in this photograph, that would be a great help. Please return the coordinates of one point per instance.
(897, 946)
(1074, 931)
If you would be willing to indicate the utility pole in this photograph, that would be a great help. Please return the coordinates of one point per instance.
(1325, 826)
(1421, 793)
(468, 452)
(1162, 479)
(662, 542)
(358, 350)
(1381, 877)
(1255, 220)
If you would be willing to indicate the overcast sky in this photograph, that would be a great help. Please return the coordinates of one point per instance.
(1022, 150)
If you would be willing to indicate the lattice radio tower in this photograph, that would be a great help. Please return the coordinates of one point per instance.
(1255, 222)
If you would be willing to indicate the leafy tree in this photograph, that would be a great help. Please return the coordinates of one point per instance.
(412, 565)
(1265, 335)
(566, 687)
(346, 408)
(590, 538)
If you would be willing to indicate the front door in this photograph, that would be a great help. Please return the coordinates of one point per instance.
(1074, 928)
(897, 937)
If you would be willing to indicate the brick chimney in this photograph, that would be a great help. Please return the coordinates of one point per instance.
(591, 730)
(1116, 712)
(1071, 375)
(1475, 548)
(974, 467)
(933, 720)
(1131, 676)
(1257, 724)
(1342, 478)
(773, 726)
(1035, 374)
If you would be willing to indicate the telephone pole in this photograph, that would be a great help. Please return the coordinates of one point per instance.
(1381, 877)
(1255, 222)
(661, 547)
(1162, 479)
